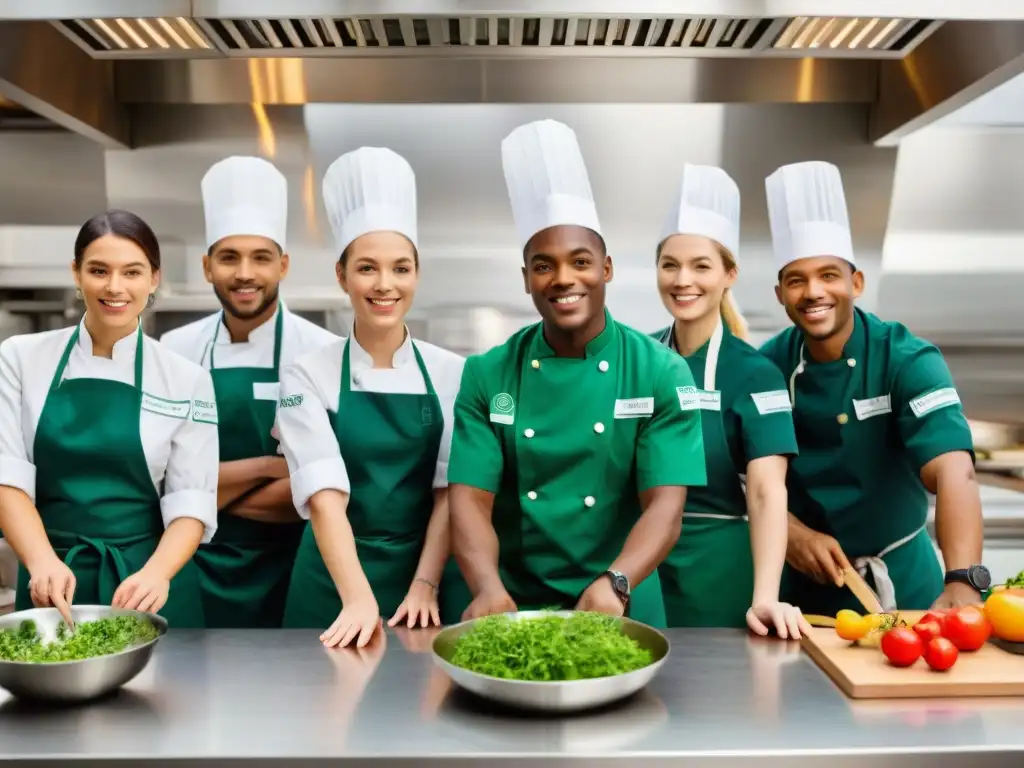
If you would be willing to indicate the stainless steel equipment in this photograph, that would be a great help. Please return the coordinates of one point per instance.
(553, 696)
(75, 681)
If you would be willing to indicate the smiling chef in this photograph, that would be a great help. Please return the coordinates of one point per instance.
(576, 439)
(246, 568)
(878, 420)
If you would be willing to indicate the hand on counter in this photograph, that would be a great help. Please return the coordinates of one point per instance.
(142, 591)
(357, 622)
(488, 603)
(955, 595)
(419, 607)
(787, 619)
(601, 597)
(817, 555)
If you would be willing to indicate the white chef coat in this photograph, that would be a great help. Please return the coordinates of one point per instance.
(307, 436)
(298, 336)
(181, 452)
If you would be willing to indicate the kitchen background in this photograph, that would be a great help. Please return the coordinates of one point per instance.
(126, 104)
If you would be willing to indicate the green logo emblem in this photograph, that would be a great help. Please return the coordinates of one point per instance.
(291, 401)
(503, 403)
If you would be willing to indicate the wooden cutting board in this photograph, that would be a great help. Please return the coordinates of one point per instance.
(865, 673)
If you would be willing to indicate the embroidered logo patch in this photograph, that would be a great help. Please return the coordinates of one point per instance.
(427, 415)
(776, 401)
(175, 409)
(291, 401)
(204, 411)
(503, 408)
(940, 398)
(689, 398)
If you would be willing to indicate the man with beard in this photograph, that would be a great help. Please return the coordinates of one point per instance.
(878, 421)
(246, 568)
(575, 440)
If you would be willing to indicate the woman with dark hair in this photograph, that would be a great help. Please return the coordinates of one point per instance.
(108, 444)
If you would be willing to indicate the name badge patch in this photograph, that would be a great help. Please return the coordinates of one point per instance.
(776, 401)
(175, 409)
(634, 408)
(710, 400)
(204, 411)
(266, 390)
(875, 406)
(940, 398)
(503, 408)
(689, 398)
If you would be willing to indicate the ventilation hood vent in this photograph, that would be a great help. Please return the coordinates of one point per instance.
(805, 36)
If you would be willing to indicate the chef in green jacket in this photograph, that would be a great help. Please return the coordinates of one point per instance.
(575, 440)
(724, 571)
(366, 426)
(878, 420)
(246, 568)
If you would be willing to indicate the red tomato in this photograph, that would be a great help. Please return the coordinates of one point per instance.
(902, 646)
(967, 628)
(935, 617)
(928, 630)
(940, 654)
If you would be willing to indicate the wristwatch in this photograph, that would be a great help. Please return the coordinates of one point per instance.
(977, 576)
(620, 583)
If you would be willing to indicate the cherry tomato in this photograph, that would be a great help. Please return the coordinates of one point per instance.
(928, 630)
(940, 654)
(936, 617)
(902, 646)
(850, 625)
(967, 628)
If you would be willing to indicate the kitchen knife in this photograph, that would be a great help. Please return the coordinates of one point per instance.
(862, 591)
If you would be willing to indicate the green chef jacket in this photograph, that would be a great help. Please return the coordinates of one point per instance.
(566, 445)
(866, 425)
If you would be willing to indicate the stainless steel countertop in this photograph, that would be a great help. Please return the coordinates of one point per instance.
(279, 698)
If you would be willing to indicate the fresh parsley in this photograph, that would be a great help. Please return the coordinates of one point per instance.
(550, 648)
(90, 639)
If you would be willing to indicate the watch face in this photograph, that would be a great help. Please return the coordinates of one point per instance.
(620, 584)
(980, 577)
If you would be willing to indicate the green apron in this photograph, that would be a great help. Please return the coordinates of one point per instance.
(852, 480)
(246, 568)
(708, 577)
(94, 492)
(573, 502)
(389, 443)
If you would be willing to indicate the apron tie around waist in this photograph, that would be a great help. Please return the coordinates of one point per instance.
(884, 588)
(113, 567)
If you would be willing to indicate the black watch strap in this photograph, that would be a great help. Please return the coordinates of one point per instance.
(976, 576)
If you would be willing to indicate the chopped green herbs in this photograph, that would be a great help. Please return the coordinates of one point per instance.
(551, 648)
(91, 638)
(1017, 581)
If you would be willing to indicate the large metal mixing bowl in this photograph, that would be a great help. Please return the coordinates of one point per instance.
(74, 681)
(554, 696)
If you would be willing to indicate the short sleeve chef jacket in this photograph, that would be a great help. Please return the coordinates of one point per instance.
(177, 423)
(310, 393)
(866, 425)
(567, 444)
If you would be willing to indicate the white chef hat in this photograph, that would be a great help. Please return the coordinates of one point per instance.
(371, 189)
(706, 203)
(547, 179)
(245, 196)
(807, 213)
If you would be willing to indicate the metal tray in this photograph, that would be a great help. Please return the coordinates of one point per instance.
(558, 696)
(75, 681)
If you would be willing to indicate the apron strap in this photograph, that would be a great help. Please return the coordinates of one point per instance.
(278, 334)
(58, 375)
(113, 567)
(884, 588)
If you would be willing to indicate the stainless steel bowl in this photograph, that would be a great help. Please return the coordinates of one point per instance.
(554, 696)
(74, 681)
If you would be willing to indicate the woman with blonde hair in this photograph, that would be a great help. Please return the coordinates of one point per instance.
(725, 569)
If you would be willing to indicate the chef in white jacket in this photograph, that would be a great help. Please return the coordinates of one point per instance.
(108, 444)
(366, 427)
(245, 569)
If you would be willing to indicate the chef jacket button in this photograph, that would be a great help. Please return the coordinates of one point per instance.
(355, 379)
(602, 366)
(842, 418)
(852, 363)
(535, 363)
(531, 495)
(529, 432)
(590, 501)
(599, 427)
